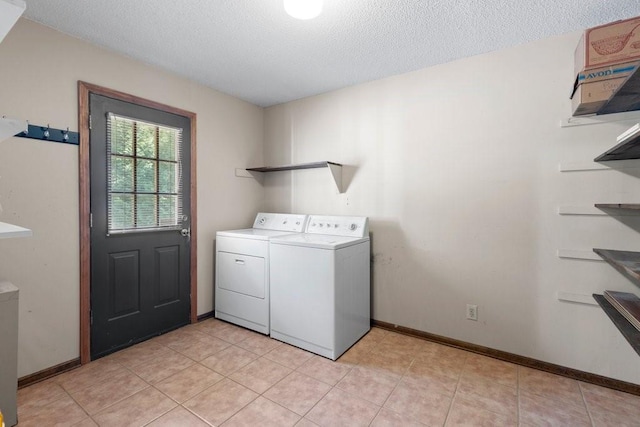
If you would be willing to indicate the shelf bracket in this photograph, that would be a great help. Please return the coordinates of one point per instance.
(336, 173)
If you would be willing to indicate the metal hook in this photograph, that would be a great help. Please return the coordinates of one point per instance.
(65, 134)
(45, 135)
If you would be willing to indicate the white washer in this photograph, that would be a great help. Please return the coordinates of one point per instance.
(242, 269)
(320, 285)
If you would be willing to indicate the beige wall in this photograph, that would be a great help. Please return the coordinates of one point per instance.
(39, 70)
(457, 167)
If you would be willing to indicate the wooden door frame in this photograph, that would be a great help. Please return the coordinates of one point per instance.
(84, 91)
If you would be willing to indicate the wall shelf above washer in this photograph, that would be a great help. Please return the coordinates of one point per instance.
(334, 168)
(313, 165)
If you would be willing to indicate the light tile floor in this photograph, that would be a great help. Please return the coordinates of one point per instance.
(214, 373)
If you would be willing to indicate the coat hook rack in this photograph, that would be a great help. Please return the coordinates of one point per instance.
(46, 133)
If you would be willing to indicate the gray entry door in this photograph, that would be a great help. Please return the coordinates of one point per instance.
(140, 243)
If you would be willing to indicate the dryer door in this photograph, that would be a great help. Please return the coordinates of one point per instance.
(243, 274)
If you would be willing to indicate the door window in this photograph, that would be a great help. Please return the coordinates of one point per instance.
(144, 176)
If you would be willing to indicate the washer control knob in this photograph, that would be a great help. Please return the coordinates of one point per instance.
(297, 222)
(321, 224)
(335, 225)
(284, 222)
(352, 227)
(262, 220)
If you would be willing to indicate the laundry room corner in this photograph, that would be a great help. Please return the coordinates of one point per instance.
(39, 179)
(456, 167)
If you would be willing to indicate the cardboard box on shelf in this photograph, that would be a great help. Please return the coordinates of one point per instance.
(589, 97)
(609, 44)
(606, 73)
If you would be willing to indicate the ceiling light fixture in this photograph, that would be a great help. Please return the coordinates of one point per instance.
(303, 9)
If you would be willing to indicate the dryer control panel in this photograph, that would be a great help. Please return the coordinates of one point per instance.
(350, 226)
(280, 222)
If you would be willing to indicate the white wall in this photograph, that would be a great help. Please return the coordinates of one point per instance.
(39, 70)
(457, 168)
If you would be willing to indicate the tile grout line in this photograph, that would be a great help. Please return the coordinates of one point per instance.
(215, 384)
(145, 388)
(292, 371)
(402, 376)
(93, 385)
(228, 376)
(148, 386)
(517, 394)
(198, 416)
(332, 387)
(202, 391)
(79, 406)
(166, 412)
(544, 395)
(519, 411)
(586, 405)
(248, 403)
(455, 393)
(394, 387)
(319, 400)
(178, 404)
(314, 405)
(64, 392)
(499, 385)
(284, 407)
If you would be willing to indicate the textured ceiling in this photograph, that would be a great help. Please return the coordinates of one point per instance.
(252, 50)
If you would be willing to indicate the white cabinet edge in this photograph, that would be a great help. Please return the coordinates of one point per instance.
(10, 127)
(580, 210)
(594, 166)
(581, 166)
(578, 254)
(243, 173)
(10, 11)
(596, 120)
(8, 231)
(575, 297)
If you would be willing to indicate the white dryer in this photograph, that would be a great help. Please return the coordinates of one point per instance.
(320, 285)
(242, 269)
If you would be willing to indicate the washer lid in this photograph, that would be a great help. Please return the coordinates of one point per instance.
(320, 241)
(253, 233)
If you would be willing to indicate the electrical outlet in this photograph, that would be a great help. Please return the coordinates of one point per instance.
(472, 312)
